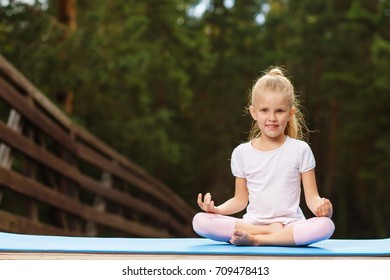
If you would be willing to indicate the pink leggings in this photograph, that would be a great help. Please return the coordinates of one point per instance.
(220, 228)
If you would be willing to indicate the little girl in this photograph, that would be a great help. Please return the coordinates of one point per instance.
(269, 170)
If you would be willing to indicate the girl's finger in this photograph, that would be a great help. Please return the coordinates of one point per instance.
(211, 205)
(207, 198)
(200, 203)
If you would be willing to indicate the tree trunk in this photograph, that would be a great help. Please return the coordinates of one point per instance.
(67, 13)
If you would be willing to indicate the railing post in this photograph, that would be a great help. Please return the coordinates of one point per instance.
(6, 159)
(99, 204)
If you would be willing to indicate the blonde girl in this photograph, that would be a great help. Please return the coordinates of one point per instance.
(269, 170)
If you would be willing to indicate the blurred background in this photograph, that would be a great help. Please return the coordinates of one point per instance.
(165, 83)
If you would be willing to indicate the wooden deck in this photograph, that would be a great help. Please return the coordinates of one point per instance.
(110, 256)
(112, 266)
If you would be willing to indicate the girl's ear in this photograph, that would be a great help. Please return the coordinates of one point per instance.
(252, 111)
(292, 112)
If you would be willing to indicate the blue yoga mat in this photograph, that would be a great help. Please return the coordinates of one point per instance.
(187, 246)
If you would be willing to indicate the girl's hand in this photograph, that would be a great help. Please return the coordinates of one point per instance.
(207, 204)
(324, 209)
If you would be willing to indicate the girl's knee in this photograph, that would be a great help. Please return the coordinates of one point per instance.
(325, 226)
(200, 222)
(213, 226)
(313, 230)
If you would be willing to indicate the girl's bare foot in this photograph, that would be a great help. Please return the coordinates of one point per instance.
(242, 238)
(283, 237)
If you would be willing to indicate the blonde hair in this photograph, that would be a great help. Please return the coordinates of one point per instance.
(275, 81)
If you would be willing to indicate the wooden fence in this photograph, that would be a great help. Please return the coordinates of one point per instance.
(58, 179)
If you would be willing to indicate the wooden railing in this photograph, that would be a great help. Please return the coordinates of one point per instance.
(56, 178)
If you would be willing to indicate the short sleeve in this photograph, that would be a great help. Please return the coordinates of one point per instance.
(307, 160)
(236, 163)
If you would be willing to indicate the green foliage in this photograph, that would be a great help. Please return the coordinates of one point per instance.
(169, 90)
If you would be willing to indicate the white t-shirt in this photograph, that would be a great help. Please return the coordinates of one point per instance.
(273, 180)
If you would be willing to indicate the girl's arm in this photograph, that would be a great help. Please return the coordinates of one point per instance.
(321, 207)
(231, 206)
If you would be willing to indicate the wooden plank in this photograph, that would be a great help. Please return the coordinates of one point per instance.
(35, 190)
(15, 223)
(47, 159)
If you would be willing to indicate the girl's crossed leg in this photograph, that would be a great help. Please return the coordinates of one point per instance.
(221, 228)
(239, 232)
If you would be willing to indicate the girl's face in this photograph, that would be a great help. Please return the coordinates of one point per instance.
(272, 111)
